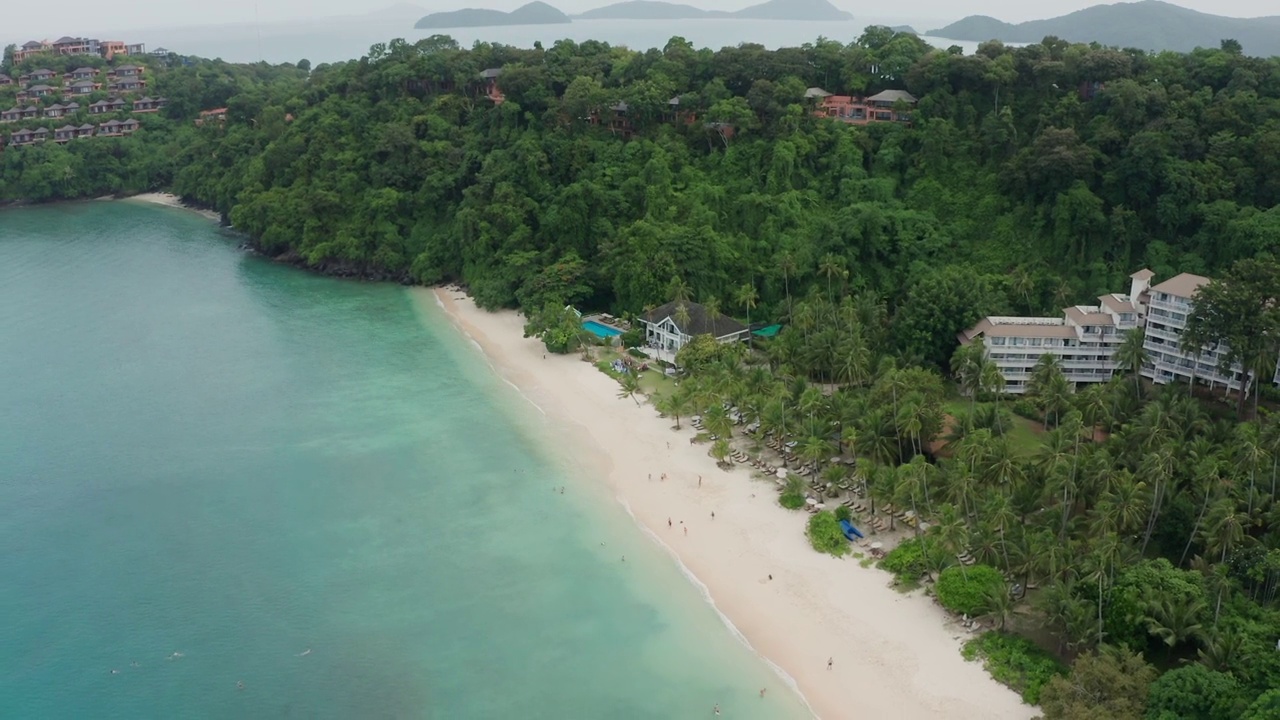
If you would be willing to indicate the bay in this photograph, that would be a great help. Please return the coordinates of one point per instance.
(310, 487)
(327, 40)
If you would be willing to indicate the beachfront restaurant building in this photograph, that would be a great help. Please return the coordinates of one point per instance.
(666, 329)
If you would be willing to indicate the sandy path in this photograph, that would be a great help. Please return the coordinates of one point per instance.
(894, 656)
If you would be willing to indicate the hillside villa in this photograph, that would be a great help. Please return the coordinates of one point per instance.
(880, 107)
(665, 331)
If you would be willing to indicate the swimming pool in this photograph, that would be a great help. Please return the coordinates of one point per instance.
(600, 329)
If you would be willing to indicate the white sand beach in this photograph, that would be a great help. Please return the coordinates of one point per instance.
(894, 656)
(171, 200)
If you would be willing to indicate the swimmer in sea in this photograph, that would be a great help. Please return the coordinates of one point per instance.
(239, 684)
(175, 656)
(114, 671)
(305, 653)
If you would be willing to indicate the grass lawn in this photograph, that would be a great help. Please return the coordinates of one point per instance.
(653, 383)
(1026, 436)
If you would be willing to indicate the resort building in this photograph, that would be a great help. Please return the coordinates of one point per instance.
(1085, 339)
(81, 87)
(149, 105)
(106, 106)
(78, 46)
(128, 84)
(5, 80)
(30, 48)
(489, 78)
(112, 48)
(41, 75)
(84, 73)
(22, 137)
(217, 114)
(64, 134)
(665, 331)
(880, 107)
(11, 115)
(1167, 360)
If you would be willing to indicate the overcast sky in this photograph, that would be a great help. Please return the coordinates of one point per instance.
(27, 20)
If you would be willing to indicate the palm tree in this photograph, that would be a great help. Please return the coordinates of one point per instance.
(746, 297)
(1132, 355)
(787, 264)
(712, 306)
(679, 290)
(1158, 466)
(630, 386)
(1001, 516)
(832, 266)
(952, 532)
(1174, 620)
(854, 363)
(998, 604)
(1225, 529)
(682, 317)
(720, 450)
(1222, 651)
(911, 418)
(716, 421)
(1251, 454)
(967, 366)
(815, 450)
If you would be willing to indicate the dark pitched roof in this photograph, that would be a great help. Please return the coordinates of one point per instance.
(491, 73)
(699, 320)
(31, 45)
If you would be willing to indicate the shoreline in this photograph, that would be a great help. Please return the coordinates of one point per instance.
(894, 655)
(170, 200)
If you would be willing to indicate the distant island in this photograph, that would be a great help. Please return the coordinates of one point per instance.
(535, 13)
(904, 29)
(1146, 25)
(540, 13)
(771, 10)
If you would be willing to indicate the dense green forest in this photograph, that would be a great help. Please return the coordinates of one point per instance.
(1140, 529)
(1009, 193)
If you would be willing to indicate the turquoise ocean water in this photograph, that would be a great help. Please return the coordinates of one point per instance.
(205, 453)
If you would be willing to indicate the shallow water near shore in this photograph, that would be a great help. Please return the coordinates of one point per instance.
(205, 453)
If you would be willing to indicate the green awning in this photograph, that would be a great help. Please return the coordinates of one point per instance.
(767, 332)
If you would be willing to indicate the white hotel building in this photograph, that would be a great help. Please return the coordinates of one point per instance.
(1085, 338)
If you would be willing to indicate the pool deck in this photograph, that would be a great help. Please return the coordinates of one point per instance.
(606, 320)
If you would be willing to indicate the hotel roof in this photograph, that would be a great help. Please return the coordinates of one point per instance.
(1184, 285)
(1021, 327)
(1117, 303)
(1082, 316)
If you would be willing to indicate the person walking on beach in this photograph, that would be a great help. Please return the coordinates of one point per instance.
(717, 708)
(699, 481)
(668, 522)
(686, 531)
(829, 662)
(762, 693)
(713, 514)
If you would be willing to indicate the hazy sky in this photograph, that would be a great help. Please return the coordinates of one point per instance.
(26, 20)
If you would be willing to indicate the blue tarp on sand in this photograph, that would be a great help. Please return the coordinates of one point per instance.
(849, 530)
